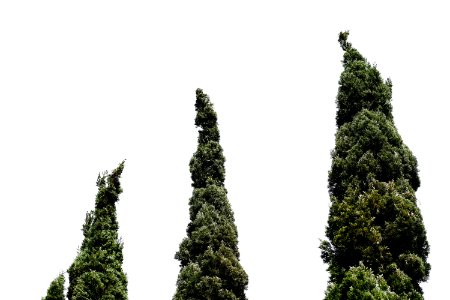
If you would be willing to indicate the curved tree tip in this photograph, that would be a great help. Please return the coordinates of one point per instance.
(343, 35)
(202, 100)
(200, 95)
(116, 173)
(199, 91)
(120, 166)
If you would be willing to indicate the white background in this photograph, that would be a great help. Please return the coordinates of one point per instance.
(86, 84)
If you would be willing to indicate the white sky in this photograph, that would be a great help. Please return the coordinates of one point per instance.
(86, 84)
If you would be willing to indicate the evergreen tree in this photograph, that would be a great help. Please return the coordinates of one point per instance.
(374, 219)
(96, 273)
(209, 255)
(56, 289)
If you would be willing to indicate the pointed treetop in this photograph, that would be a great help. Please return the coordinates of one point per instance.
(113, 178)
(109, 186)
(343, 40)
(351, 54)
(207, 164)
(360, 86)
(206, 118)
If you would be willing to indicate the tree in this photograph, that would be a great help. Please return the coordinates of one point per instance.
(97, 271)
(56, 289)
(209, 255)
(374, 219)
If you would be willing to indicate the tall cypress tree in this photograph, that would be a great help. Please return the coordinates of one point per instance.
(374, 221)
(97, 271)
(56, 289)
(209, 255)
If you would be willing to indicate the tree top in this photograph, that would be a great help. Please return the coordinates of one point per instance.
(206, 118)
(345, 45)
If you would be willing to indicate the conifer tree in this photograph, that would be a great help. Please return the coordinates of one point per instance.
(56, 289)
(374, 221)
(96, 273)
(209, 255)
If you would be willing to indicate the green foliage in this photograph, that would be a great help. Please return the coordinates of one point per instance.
(207, 163)
(56, 289)
(402, 283)
(369, 148)
(379, 227)
(374, 218)
(360, 86)
(359, 283)
(209, 255)
(97, 271)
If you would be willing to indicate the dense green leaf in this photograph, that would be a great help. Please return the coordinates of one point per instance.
(374, 219)
(369, 148)
(359, 283)
(360, 86)
(96, 273)
(209, 255)
(56, 289)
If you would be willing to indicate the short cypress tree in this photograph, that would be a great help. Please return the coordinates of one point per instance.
(374, 219)
(209, 255)
(56, 289)
(97, 271)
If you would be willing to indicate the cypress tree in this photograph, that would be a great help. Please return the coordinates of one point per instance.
(374, 221)
(209, 255)
(97, 271)
(56, 289)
